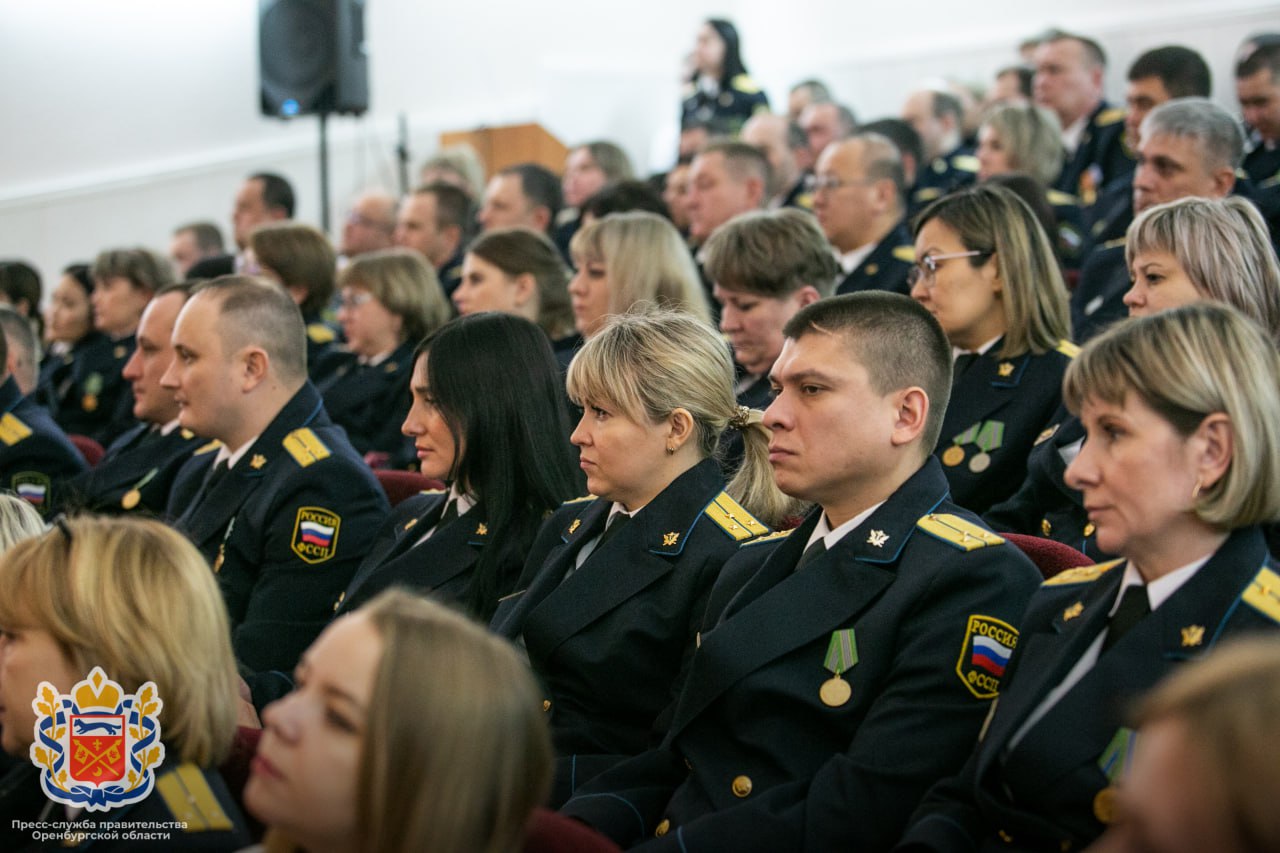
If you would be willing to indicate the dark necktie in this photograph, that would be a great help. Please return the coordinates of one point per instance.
(962, 364)
(815, 550)
(1134, 605)
(615, 524)
(215, 476)
(449, 514)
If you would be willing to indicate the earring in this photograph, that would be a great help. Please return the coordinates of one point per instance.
(1195, 493)
(671, 451)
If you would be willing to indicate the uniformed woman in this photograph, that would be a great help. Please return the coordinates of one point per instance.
(615, 585)
(391, 299)
(1181, 465)
(629, 258)
(488, 419)
(69, 333)
(719, 90)
(985, 269)
(132, 600)
(300, 259)
(411, 728)
(1185, 251)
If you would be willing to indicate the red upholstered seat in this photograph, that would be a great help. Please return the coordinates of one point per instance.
(404, 484)
(1049, 556)
(89, 448)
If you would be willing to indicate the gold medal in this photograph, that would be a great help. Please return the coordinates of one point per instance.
(980, 463)
(835, 691)
(1104, 805)
(1045, 527)
(953, 456)
(131, 499)
(89, 403)
(1088, 529)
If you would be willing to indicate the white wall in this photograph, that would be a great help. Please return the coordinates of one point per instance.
(125, 118)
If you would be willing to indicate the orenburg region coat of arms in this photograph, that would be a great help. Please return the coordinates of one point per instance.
(97, 748)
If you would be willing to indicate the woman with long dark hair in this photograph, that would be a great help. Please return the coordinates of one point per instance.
(719, 90)
(488, 418)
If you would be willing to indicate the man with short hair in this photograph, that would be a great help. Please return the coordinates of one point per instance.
(435, 221)
(803, 94)
(194, 242)
(859, 199)
(526, 195)
(824, 123)
(263, 197)
(36, 457)
(370, 224)
(948, 163)
(1188, 147)
(1258, 89)
(139, 467)
(773, 135)
(841, 668)
(726, 179)
(285, 508)
(1068, 80)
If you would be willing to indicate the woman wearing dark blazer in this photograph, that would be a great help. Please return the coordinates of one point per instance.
(488, 419)
(985, 269)
(1181, 466)
(615, 586)
(719, 91)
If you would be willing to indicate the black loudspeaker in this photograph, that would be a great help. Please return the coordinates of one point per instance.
(311, 57)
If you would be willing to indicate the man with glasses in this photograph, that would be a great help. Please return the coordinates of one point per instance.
(858, 194)
(370, 225)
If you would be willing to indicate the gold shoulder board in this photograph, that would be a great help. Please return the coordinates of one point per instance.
(905, 253)
(733, 518)
(1263, 594)
(305, 447)
(1083, 574)
(772, 537)
(744, 84)
(191, 801)
(1114, 244)
(1068, 349)
(1059, 198)
(965, 163)
(958, 532)
(1110, 116)
(12, 429)
(582, 499)
(319, 333)
(207, 448)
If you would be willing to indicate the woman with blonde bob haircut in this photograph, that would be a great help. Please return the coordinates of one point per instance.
(391, 299)
(986, 270)
(627, 259)
(1016, 138)
(1180, 468)
(135, 598)
(436, 741)
(614, 587)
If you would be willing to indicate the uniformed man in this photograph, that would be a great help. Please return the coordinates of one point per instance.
(859, 197)
(866, 643)
(36, 457)
(726, 178)
(525, 195)
(285, 508)
(824, 123)
(370, 224)
(1258, 88)
(778, 139)
(948, 162)
(435, 220)
(263, 197)
(1189, 147)
(139, 467)
(1068, 80)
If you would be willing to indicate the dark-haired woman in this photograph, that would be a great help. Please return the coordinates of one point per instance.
(69, 332)
(487, 418)
(719, 89)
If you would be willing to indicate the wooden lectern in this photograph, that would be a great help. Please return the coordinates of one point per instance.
(500, 147)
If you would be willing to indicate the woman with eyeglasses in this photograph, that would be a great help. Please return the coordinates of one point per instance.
(986, 270)
(391, 299)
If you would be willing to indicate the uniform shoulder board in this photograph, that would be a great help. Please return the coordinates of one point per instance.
(582, 499)
(1083, 574)
(1058, 198)
(432, 492)
(319, 333)
(12, 429)
(1068, 349)
(744, 84)
(305, 447)
(1263, 594)
(772, 537)
(733, 518)
(1114, 244)
(192, 802)
(207, 448)
(1110, 116)
(958, 532)
(927, 194)
(965, 163)
(906, 254)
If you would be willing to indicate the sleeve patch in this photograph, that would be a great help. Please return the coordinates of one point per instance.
(33, 487)
(12, 429)
(988, 644)
(1083, 574)
(315, 534)
(305, 447)
(958, 532)
(733, 518)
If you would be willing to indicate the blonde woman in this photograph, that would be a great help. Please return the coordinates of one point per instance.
(985, 269)
(614, 587)
(390, 300)
(18, 520)
(135, 598)
(410, 728)
(1181, 466)
(630, 258)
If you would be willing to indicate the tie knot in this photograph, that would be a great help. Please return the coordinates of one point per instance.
(1134, 606)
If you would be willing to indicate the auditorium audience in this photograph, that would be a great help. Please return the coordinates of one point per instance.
(726, 178)
(778, 139)
(522, 196)
(458, 165)
(18, 521)
(948, 163)
(1181, 466)
(488, 419)
(69, 334)
(300, 259)
(410, 728)
(20, 289)
(194, 242)
(825, 122)
(719, 89)
(436, 220)
(370, 224)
